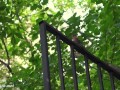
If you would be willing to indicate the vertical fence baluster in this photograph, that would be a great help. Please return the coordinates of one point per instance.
(100, 77)
(87, 73)
(112, 81)
(74, 68)
(45, 61)
(60, 62)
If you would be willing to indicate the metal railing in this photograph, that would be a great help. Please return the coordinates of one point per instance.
(113, 72)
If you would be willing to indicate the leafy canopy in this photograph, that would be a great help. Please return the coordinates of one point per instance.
(96, 22)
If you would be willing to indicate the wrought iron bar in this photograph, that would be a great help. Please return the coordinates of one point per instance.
(87, 73)
(74, 68)
(100, 77)
(112, 81)
(45, 61)
(60, 62)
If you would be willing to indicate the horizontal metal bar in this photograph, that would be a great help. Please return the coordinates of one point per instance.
(82, 50)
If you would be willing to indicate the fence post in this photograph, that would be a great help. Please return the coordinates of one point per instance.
(112, 81)
(74, 68)
(100, 77)
(87, 73)
(45, 61)
(60, 62)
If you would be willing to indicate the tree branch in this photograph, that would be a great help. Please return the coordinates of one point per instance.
(3, 62)
(7, 65)
(8, 58)
(7, 54)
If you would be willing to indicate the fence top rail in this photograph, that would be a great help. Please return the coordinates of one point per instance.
(82, 50)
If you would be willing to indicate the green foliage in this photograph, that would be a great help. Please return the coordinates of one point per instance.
(98, 29)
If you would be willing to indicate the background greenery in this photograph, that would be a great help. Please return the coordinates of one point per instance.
(96, 22)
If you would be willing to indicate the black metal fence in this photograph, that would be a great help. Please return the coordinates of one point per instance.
(113, 72)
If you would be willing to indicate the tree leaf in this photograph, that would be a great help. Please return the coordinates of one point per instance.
(1, 46)
(19, 35)
(44, 2)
